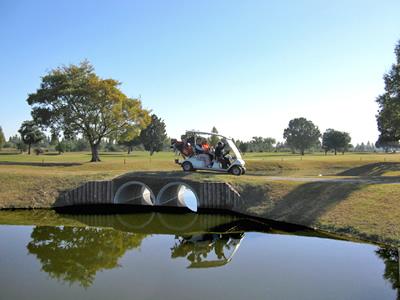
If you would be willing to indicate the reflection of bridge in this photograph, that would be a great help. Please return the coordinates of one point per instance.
(171, 224)
(145, 190)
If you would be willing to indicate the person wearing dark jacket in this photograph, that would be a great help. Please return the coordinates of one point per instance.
(220, 155)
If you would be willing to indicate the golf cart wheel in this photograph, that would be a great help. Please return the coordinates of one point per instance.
(235, 170)
(187, 166)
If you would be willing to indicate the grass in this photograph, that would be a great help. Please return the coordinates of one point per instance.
(366, 209)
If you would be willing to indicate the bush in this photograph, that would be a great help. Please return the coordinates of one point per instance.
(39, 151)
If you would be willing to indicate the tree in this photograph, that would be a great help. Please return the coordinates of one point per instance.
(2, 138)
(301, 134)
(73, 100)
(387, 143)
(30, 134)
(214, 139)
(260, 144)
(21, 146)
(243, 146)
(335, 140)
(130, 143)
(154, 135)
(54, 141)
(388, 117)
(282, 147)
(61, 147)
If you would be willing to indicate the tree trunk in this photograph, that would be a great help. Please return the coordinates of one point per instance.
(335, 151)
(302, 152)
(95, 152)
(129, 149)
(29, 149)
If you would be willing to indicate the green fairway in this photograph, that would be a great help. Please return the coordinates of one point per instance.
(257, 163)
(353, 194)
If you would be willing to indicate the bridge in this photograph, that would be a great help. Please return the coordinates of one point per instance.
(152, 190)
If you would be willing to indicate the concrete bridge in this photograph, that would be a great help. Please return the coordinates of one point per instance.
(152, 190)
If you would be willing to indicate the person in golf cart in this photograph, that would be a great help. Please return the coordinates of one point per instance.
(220, 155)
(202, 150)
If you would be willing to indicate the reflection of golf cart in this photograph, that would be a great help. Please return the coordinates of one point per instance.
(229, 161)
(207, 250)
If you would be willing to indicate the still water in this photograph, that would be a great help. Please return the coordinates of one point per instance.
(185, 256)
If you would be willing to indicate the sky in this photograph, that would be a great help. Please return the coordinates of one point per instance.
(245, 67)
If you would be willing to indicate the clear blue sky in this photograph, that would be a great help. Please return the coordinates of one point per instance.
(246, 67)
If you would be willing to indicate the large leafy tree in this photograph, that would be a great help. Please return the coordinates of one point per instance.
(73, 100)
(335, 140)
(301, 134)
(2, 138)
(388, 117)
(30, 134)
(154, 135)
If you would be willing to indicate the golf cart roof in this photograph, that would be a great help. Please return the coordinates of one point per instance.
(207, 133)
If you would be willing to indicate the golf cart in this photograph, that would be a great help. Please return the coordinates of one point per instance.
(228, 159)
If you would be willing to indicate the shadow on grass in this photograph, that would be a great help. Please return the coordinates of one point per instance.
(116, 154)
(303, 205)
(10, 153)
(158, 174)
(309, 201)
(374, 169)
(39, 164)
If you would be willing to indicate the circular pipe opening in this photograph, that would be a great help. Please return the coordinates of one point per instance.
(178, 194)
(135, 193)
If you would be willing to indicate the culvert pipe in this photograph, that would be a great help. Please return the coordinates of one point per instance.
(135, 193)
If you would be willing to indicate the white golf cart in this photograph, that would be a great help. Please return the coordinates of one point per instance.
(229, 162)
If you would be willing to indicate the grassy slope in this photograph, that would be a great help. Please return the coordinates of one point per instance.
(362, 209)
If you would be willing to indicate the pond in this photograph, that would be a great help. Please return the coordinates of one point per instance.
(184, 256)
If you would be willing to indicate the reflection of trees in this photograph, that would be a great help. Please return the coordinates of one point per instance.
(390, 257)
(198, 248)
(76, 254)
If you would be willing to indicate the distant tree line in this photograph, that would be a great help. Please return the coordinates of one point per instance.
(301, 135)
(81, 111)
(153, 138)
(79, 144)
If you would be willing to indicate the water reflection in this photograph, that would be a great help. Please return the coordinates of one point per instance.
(390, 257)
(207, 250)
(76, 254)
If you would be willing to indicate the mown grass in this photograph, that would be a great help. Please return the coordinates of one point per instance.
(30, 178)
(364, 209)
(355, 209)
